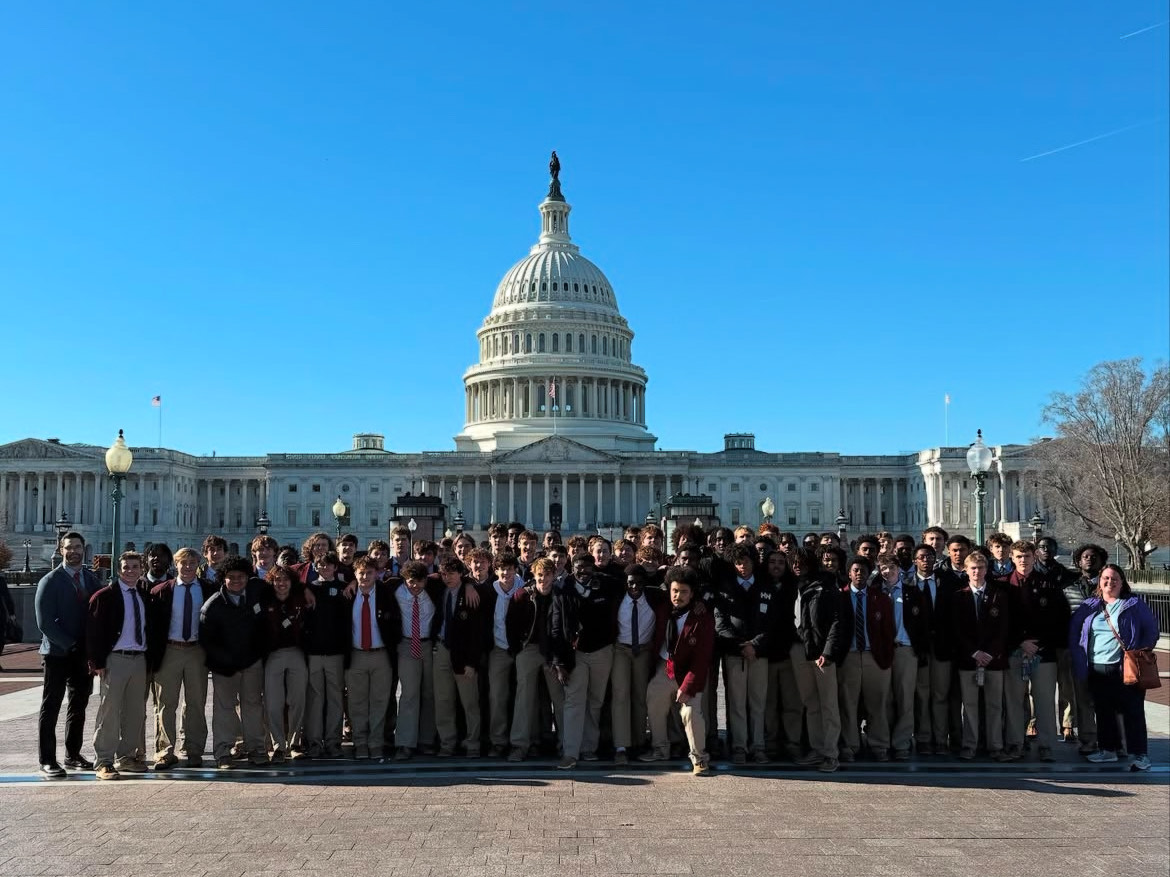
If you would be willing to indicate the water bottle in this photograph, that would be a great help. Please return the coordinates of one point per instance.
(1027, 666)
(980, 676)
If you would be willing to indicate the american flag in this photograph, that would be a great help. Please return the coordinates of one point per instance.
(156, 402)
(552, 388)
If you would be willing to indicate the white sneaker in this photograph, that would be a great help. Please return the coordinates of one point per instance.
(1102, 756)
(1140, 762)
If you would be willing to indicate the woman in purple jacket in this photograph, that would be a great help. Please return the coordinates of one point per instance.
(1103, 626)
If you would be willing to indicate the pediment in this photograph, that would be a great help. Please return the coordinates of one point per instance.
(555, 449)
(38, 449)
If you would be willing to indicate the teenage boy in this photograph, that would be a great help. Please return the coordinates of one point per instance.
(633, 660)
(742, 628)
(399, 550)
(526, 544)
(375, 627)
(327, 643)
(932, 624)
(178, 663)
(1040, 627)
(116, 637)
(419, 600)
(868, 620)
(981, 620)
(1088, 560)
(1000, 546)
(457, 657)
(822, 638)
(232, 635)
(683, 645)
(501, 660)
(529, 627)
(312, 550)
(592, 637)
(905, 597)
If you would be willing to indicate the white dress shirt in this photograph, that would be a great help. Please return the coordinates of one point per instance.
(178, 596)
(359, 600)
(126, 642)
(499, 628)
(645, 622)
(426, 611)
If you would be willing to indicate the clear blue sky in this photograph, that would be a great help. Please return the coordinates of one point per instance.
(289, 219)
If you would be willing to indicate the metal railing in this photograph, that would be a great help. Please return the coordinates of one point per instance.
(1158, 599)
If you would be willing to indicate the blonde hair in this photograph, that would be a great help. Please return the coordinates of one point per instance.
(183, 553)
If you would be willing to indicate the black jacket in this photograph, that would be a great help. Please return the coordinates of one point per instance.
(820, 618)
(328, 623)
(929, 621)
(596, 610)
(782, 621)
(232, 636)
(742, 616)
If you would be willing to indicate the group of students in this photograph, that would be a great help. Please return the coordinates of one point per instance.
(524, 645)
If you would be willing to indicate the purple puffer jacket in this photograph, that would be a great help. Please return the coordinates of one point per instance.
(1136, 625)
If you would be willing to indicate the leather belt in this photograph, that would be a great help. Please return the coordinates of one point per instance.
(182, 643)
(129, 652)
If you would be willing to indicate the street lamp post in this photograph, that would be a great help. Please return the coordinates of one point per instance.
(27, 546)
(979, 462)
(118, 463)
(263, 523)
(768, 507)
(1037, 524)
(842, 521)
(412, 525)
(339, 510)
(62, 526)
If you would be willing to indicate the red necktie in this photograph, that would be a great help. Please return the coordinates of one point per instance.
(367, 627)
(415, 633)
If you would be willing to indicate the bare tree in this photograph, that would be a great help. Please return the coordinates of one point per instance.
(1109, 466)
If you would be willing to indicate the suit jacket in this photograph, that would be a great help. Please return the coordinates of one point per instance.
(1043, 613)
(929, 621)
(694, 649)
(465, 630)
(879, 623)
(160, 606)
(106, 618)
(387, 617)
(989, 632)
(821, 626)
(61, 613)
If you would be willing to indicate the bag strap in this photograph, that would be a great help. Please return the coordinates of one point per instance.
(1109, 621)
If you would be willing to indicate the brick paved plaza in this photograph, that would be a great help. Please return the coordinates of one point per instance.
(481, 818)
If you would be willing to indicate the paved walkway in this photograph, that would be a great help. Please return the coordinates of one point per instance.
(479, 818)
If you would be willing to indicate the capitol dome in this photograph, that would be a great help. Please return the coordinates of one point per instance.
(554, 352)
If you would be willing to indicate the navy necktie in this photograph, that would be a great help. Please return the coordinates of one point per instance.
(188, 610)
(137, 617)
(859, 621)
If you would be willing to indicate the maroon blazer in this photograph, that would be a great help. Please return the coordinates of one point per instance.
(989, 631)
(105, 620)
(879, 623)
(693, 651)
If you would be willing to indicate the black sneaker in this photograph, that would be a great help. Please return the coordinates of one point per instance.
(78, 762)
(52, 771)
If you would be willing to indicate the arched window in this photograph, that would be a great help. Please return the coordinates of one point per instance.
(505, 345)
(554, 286)
(575, 289)
(544, 286)
(515, 342)
(540, 344)
(495, 345)
(595, 345)
(532, 288)
(581, 342)
(528, 343)
(605, 345)
(568, 342)
(556, 348)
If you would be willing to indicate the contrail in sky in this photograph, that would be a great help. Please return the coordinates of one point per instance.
(1144, 29)
(1089, 140)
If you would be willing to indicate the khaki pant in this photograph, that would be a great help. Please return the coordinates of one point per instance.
(529, 663)
(416, 704)
(934, 690)
(993, 704)
(747, 698)
(710, 702)
(237, 709)
(323, 701)
(818, 693)
(858, 678)
(1084, 711)
(450, 692)
(569, 702)
(629, 678)
(121, 715)
(660, 700)
(1042, 688)
(286, 681)
(368, 681)
(784, 713)
(183, 669)
(900, 706)
(599, 666)
(500, 686)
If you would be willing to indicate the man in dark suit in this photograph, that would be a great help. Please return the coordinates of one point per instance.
(867, 614)
(929, 626)
(61, 600)
(375, 628)
(115, 641)
(457, 657)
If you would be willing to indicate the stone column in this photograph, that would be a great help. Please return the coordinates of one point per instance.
(40, 521)
(596, 407)
(227, 504)
(581, 500)
(564, 501)
(1021, 498)
(617, 499)
(492, 501)
(544, 525)
(600, 507)
(528, 501)
(475, 519)
(245, 490)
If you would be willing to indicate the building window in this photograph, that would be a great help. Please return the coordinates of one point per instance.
(815, 519)
(374, 488)
(581, 342)
(316, 488)
(345, 488)
(154, 517)
(154, 486)
(292, 488)
(792, 519)
(568, 342)
(528, 343)
(735, 517)
(792, 487)
(540, 343)
(712, 487)
(815, 486)
(595, 345)
(763, 487)
(515, 342)
(316, 517)
(735, 487)
(605, 346)
(292, 517)
(136, 518)
(373, 519)
(556, 342)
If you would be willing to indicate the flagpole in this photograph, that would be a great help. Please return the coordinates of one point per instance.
(160, 424)
(946, 420)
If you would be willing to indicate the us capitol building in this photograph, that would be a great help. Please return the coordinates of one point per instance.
(577, 454)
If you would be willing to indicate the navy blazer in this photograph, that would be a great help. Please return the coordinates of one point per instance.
(61, 613)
